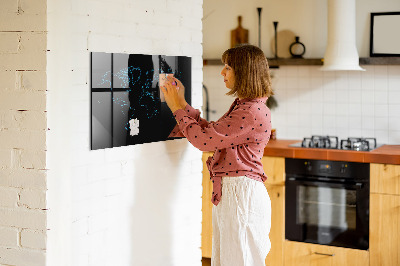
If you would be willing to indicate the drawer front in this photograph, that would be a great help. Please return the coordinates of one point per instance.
(297, 253)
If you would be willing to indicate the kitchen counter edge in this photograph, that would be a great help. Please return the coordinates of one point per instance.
(385, 154)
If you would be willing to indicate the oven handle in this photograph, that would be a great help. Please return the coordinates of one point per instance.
(357, 185)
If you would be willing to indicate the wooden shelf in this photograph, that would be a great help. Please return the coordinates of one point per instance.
(380, 61)
(273, 63)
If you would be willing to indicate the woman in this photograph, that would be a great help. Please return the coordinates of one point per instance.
(242, 208)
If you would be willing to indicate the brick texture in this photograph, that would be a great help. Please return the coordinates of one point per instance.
(23, 126)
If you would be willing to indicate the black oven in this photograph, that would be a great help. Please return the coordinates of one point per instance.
(327, 202)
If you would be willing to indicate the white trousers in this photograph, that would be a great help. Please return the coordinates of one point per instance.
(241, 223)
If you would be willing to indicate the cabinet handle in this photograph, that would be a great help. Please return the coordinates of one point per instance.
(325, 254)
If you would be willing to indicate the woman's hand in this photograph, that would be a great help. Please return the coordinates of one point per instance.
(181, 90)
(172, 95)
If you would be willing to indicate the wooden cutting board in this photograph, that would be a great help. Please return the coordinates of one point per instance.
(239, 35)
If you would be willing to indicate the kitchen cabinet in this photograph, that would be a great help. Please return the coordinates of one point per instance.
(206, 225)
(384, 221)
(305, 254)
(385, 215)
(274, 168)
(277, 233)
(385, 178)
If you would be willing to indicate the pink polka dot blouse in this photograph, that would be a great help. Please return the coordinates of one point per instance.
(238, 139)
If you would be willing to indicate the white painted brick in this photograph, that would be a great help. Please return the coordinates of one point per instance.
(34, 120)
(132, 44)
(33, 239)
(79, 175)
(191, 48)
(7, 79)
(8, 6)
(97, 190)
(97, 173)
(80, 228)
(98, 222)
(9, 42)
(197, 37)
(9, 237)
(83, 141)
(32, 42)
(23, 178)
(8, 197)
(127, 169)
(105, 42)
(22, 100)
(160, 32)
(30, 61)
(36, 7)
(23, 22)
(93, 197)
(80, 158)
(33, 199)
(178, 7)
(80, 8)
(196, 10)
(30, 80)
(114, 187)
(35, 140)
(5, 158)
(15, 158)
(17, 256)
(80, 107)
(197, 62)
(190, 23)
(197, 76)
(33, 159)
(20, 217)
(81, 124)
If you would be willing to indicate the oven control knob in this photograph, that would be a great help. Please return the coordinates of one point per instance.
(308, 166)
(343, 168)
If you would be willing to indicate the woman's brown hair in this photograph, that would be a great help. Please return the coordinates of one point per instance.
(250, 66)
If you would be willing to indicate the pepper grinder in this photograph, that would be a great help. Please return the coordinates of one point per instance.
(276, 38)
(259, 26)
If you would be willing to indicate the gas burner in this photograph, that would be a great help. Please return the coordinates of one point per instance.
(358, 144)
(332, 142)
(327, 142)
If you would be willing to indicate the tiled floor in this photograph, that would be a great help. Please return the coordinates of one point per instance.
(206, 261)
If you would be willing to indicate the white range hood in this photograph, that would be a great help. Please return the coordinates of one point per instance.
(341, 51)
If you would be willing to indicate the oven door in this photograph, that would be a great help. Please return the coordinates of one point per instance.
(327, 213)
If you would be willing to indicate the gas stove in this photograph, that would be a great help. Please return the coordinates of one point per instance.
(332, 142)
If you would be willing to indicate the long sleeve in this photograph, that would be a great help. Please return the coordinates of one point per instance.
(229, 131)
(193, 113)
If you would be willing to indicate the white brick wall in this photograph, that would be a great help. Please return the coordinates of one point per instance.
(134, 205)
(23, 132)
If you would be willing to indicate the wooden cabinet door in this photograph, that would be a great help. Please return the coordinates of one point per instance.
(206, 232)
(277, 233)
(274, 168)
(385, 178)
(384, 236)
(305, 254)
